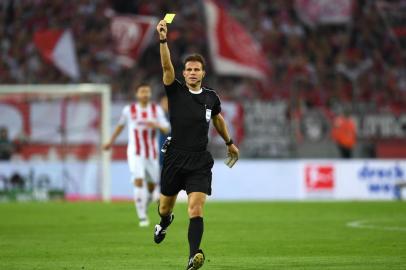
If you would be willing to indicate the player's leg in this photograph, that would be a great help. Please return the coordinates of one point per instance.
(140, 200)
(150, 188)
(198, 186)
(196, 202)
(152, 179)
(165, 207)
(137, 170)
(170, 185)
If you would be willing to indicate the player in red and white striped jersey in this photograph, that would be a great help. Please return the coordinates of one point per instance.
(144, 121)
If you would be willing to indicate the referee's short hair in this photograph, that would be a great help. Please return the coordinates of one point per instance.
(195, 58)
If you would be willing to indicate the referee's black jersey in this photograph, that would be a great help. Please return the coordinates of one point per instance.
(190, 115)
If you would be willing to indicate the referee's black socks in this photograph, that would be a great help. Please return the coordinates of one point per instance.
(195, 234)
(165, 220)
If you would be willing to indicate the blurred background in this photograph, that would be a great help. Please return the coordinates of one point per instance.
(299, 79)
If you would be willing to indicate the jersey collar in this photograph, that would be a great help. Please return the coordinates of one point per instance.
(196, 92)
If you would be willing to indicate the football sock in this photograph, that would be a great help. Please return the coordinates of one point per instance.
(195, 234)
(156, 194)
(165, 220)
(140, 200)
(149, 198)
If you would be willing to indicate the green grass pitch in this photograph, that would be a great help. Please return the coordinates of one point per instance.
(238, 235)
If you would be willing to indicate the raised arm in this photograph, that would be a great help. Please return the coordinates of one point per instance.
(167, 67)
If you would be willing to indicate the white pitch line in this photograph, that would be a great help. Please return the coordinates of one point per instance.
(361, 224)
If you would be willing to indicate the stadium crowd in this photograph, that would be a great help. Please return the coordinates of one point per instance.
(355, 63)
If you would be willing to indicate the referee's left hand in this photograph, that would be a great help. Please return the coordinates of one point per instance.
(233, 151)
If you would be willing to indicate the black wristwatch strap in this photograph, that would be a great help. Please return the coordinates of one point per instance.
(230, 142)
(163, 40)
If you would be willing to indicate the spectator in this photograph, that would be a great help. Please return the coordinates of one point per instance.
(294, 50)
(344, 134)
(6, 146)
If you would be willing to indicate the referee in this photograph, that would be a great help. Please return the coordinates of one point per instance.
(187, 164)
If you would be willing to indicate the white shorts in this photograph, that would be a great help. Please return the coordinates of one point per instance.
(144, 168)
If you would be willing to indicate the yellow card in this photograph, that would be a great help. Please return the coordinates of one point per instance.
(169, 17)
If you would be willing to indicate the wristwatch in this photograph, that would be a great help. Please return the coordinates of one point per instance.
(230, 142)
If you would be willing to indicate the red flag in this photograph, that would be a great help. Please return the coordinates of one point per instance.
(131, 35)
(233, 51)
(57, 47)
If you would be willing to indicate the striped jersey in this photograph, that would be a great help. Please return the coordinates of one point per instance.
(143, 140)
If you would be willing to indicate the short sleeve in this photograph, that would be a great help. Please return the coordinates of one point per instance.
(217, 106)
(173, 87)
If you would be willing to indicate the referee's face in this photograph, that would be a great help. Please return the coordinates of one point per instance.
(193, 73)
(143, 94)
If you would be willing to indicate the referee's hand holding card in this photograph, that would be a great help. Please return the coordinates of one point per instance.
(232, 154)
(162, 29)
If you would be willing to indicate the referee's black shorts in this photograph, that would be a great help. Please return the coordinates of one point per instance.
(184, 170)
